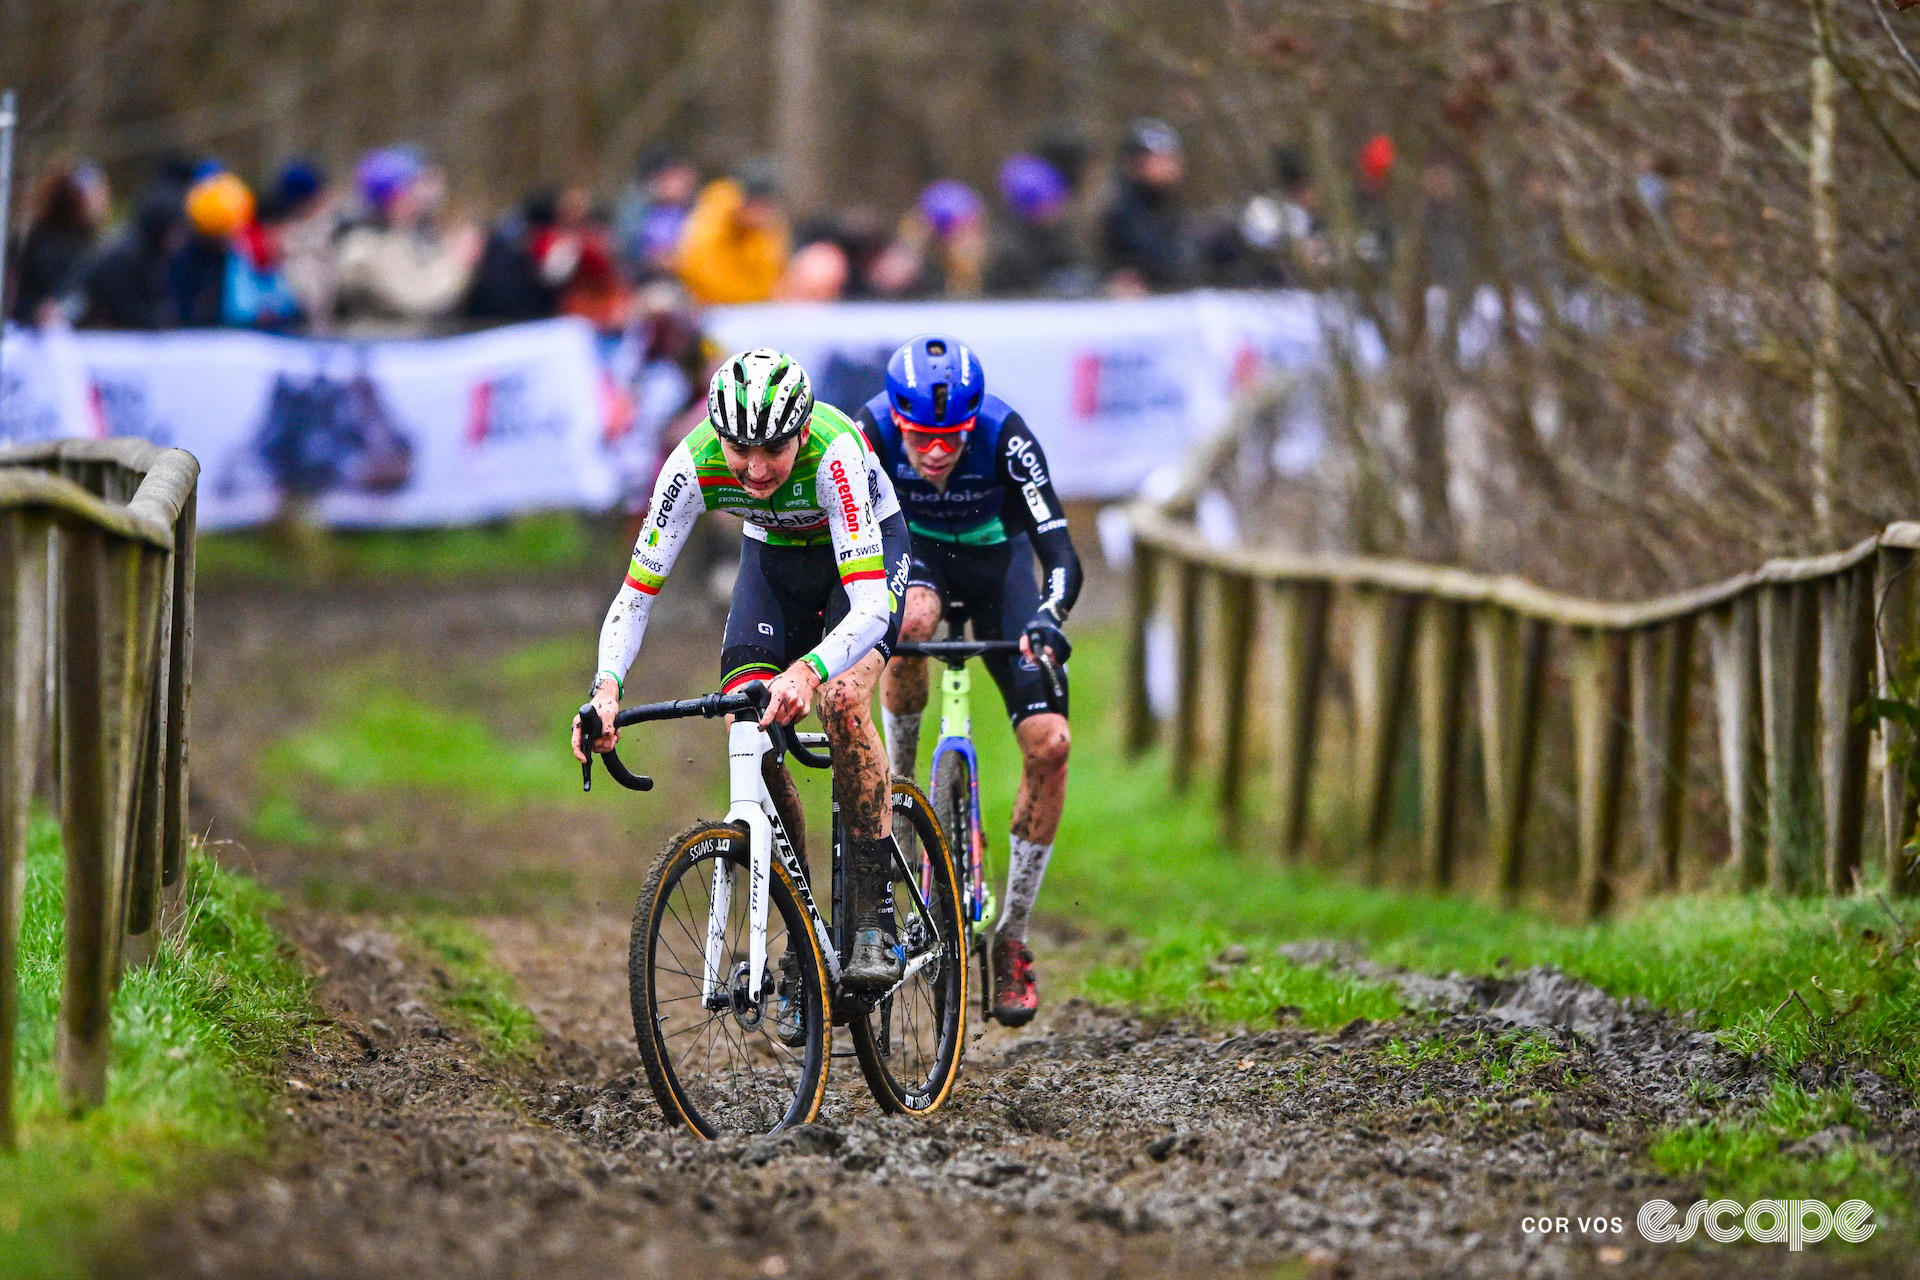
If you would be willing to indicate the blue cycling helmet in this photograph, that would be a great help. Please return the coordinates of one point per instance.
(935, 381)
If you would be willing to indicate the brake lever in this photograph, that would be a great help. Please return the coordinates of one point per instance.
(589, 731)
(1051, 672)
(590, 728)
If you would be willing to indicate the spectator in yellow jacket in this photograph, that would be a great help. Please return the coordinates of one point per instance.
(735, 245)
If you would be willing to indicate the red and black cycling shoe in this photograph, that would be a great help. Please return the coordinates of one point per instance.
(1016, 996)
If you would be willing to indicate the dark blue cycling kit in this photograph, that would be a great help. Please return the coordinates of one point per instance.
(976, 538)
(999, 489)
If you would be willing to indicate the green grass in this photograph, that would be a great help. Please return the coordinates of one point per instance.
(475, 992)
(1749, 1155)
(388, 738)
(539, 543)
(1135, 857)
(1184, 975)
(1503, 1059)
(196, 1036)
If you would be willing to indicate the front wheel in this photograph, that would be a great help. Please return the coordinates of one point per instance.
(910, 1040)
(721, 1056)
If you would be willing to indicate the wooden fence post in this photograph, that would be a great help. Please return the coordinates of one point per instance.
(1599, 676)
(1300, 644)
(1897, 651)
(1662, 660)
(1238, 604)
(173, 844)
(1140, 722)
(1381, 652)
(23, 598)
(1186, 715)
(85, 820)
(1733, 642)
(106, 668)
(1846, 657)
(1442, 633)
(1510, 663)
(147, 817)
(1789, 645)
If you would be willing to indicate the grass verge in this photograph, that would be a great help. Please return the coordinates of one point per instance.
(474, 992)
(537, 543)
(1796, 1144)
(196, 1036)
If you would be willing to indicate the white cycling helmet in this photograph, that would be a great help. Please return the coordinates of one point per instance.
(759, 397)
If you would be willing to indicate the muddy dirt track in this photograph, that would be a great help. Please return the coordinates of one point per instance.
(1089, 1144)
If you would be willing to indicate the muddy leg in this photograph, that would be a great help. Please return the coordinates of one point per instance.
(903, 687)
(786, 801)
(1044, 743)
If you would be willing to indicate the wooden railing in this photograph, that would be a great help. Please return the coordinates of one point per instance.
(1794, 653)
(96, 642)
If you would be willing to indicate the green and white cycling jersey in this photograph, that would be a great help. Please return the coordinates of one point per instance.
(837, 493)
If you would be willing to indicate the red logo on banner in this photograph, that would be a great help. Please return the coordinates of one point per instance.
(1086, 384)
(479, 412)
(1246, 367)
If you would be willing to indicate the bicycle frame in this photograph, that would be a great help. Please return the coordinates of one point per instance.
(752, 806)
(956, 735)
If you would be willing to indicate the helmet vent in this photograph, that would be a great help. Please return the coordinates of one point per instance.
(940, 402)
(936, 348)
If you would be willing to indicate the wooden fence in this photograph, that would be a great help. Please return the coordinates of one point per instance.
(1793, 653)
(96, 642)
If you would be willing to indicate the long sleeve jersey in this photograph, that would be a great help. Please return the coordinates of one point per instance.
(1001, 485)
(836, 493)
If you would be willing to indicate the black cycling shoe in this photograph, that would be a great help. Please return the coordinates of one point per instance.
(788, 1024)
(875, 963)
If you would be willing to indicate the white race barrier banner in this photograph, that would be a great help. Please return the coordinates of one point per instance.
(1113, 389)
(391, 433)
(457, 430)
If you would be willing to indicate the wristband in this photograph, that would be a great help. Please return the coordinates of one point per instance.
(819, 667)
(618, 683)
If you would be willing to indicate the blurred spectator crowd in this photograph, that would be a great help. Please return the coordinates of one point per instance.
(380, 252)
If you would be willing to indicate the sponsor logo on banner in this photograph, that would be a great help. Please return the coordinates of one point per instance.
(1125, 383)
(321, 433)
(501, 409)
(125, 409)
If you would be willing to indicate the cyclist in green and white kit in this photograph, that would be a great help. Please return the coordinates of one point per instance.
(816, 605)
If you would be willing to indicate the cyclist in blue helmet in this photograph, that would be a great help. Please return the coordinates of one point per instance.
(981, 507)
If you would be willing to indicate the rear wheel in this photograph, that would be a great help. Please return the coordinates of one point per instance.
(726, 1058)
(910, 1040)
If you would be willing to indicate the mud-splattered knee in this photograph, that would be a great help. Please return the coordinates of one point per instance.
(1047, 752)
(843, 708)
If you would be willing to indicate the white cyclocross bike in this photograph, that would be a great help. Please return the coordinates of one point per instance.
(735, 994)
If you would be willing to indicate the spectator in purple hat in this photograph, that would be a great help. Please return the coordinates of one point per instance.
(399, 273)
(1033, 248)
(940, 247)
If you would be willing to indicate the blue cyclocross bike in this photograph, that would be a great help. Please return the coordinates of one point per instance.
(955, 792)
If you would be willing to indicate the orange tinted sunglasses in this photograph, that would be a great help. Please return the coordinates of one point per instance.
(922, 439)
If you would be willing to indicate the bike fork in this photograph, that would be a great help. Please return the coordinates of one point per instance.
(747, 745)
